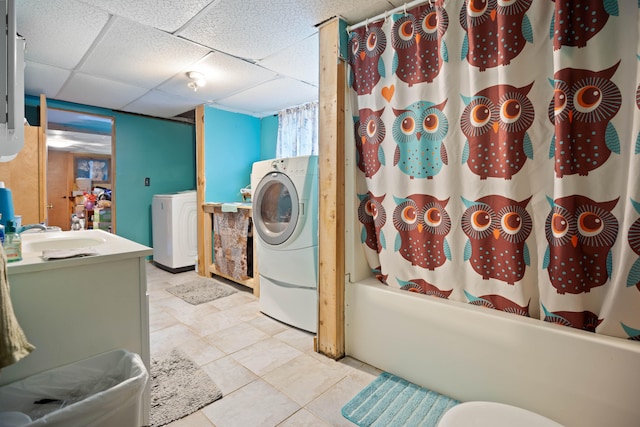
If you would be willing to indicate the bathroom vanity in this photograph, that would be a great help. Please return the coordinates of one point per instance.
(75, 308)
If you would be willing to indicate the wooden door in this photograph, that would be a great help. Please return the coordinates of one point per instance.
(58, 191)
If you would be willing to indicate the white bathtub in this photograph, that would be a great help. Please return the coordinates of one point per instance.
(574, 377)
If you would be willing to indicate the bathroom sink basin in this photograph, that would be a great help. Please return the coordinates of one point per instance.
(64, 240)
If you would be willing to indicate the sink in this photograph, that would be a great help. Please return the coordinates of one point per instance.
(38, 242)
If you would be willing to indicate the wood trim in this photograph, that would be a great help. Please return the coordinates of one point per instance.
(42, 161)
(204, 221)
(330, 341)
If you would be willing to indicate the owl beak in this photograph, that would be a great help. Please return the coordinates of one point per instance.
(418, 37)
(419, 135)
(420, 228)
(496, 126)
(364, 140)
(570, 116)
(362, 55)
(574, 241)
(496, 234)
(493, 14)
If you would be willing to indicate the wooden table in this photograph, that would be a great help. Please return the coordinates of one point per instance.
(251, 282)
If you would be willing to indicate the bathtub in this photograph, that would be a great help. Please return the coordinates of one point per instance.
(470, 353)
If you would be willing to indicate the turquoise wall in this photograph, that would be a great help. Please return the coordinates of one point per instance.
(232, 145)
(268, 137)
(160, 149)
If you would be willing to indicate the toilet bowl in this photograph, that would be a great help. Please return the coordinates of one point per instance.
(491, 414)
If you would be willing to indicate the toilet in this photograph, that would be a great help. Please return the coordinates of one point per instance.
(491, 414)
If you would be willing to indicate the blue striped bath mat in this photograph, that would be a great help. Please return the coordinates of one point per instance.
(391, 401)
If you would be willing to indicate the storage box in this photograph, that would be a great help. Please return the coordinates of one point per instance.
(102, 215)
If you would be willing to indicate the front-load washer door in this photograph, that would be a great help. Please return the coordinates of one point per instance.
(275, 208)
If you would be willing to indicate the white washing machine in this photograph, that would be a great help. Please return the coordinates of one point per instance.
(175, 231)
(285, 221)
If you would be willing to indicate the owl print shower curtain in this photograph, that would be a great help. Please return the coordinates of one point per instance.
(498, 156)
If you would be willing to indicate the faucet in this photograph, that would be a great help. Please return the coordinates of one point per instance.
(40, 227)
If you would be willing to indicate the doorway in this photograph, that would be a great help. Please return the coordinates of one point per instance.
(80, 167)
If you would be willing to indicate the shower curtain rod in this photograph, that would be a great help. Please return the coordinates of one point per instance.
(385, 14)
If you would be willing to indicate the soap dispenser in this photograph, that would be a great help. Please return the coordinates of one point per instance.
(12, 243)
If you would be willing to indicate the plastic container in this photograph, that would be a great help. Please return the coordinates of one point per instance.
(102, 391)
(6, 204)
(12, 243)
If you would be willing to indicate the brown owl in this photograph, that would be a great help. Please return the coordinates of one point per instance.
(580, 233)
(496, 31)
(419, 48)
(497, 228)
(366, 46)
(498, 302)
(495, 122)
(583, 104)
(574, 25)
(585, 320)
(421, 286)
(369, 133)
(372, 215)
(423, 224)
(633, 279)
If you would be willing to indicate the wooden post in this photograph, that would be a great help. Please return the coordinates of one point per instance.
(204, 220)
(330, 339)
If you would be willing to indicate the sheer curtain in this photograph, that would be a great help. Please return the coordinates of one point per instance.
(298, 131)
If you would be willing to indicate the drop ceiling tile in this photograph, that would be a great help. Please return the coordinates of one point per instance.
(225, 75)
(159, 104)
(254, 31)
(99, 92)
(139, 55)
(43, 79)
(300, 61)
(272, 96)
(58, 32)
(161, 14)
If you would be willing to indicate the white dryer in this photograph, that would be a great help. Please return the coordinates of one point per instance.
(174, 230)
(285, 221)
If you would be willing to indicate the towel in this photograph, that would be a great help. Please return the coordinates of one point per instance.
(49, 254)
(13, 344)
(229, 207)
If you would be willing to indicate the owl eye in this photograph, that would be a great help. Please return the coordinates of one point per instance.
(480, 115)
(477, 8)
(559, 226)
(408, 126)
(433, 217)
(559, 101)
(510, 111)
(589, 224)
(481, 220)
(430, 123)
(511, 223)
(355, 46)
(409, 215)
(430, 23)
(406, 30)
(372, 41)
(371, 128)
(506, 3)
(371, 209)
(587, 99)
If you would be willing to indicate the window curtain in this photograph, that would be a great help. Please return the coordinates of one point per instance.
(498, 156)
(298, 131)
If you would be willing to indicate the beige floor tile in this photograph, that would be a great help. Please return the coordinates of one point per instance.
(228, 374)
(202, 351)
(234, 300)
(190, 314)
(166, 339)
(257, 405)
(236, 337)
(268, 325)
(303, 418)
(160, 319)
(197, 419)
(266, 355)
(305, 378)
(244, 312)
(296, 338)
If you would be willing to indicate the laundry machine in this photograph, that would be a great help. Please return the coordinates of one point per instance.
(285, 224)
(174, 231)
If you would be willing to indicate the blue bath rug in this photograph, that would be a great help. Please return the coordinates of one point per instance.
(391, 401)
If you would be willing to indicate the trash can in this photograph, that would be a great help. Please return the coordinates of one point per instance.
(104, 390)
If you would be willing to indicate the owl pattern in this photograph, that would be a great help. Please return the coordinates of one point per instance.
(633, 279)
(372, 216)
(369, 132)
(496, 228)
(574, 25)
(496, 31)
(495, 122)
(637, 150)
(580, 233)
(419, 48)
(632, 333)
(419, 130)
(421, 286)
(423, 225)
(366, 46)
(585, 320)
(583, 104)
(498, 302)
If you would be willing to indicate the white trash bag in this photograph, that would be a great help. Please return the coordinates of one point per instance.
(104, 390)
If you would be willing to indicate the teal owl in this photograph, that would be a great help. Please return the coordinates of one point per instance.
(419, 130)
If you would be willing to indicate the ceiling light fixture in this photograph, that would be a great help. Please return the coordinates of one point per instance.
(197, 80)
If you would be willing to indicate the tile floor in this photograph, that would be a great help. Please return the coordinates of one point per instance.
(268, 372)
